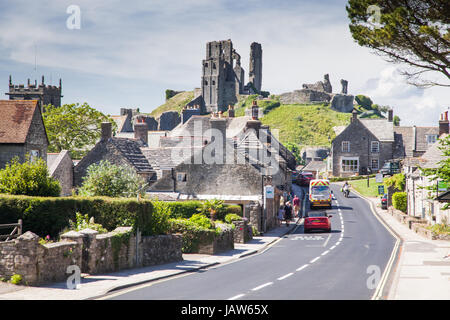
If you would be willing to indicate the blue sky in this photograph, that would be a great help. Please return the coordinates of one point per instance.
(128, 52)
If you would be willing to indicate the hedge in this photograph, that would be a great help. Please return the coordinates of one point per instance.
(399, 201)
(50, 215)
(350, 178)
(186, 209)
(193, 234)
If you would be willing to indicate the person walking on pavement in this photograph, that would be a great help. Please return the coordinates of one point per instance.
(296, 203)
(287, 213)
(280, 216)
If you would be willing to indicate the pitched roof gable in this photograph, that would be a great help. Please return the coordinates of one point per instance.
(15, 120)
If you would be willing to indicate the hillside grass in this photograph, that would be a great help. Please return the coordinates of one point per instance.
(305, 125)
(176, 103)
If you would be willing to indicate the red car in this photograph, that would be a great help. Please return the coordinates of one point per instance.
(316, 220)
(304, 178)
(384, 201)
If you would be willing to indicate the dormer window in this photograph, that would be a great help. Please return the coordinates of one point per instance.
(431, 138)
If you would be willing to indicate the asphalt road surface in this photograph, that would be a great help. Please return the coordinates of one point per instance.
(344, 264)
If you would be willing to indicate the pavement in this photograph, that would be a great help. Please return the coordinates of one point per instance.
(93, 286)
(422, 270)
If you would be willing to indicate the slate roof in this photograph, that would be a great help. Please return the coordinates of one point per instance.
(315, 166)
(380, 128)
(413, 139)
(15, 120)
(433, 155)
(131, 150)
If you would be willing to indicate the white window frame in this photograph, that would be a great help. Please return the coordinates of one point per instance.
(34, 155)
(432, 137)
(374, 147)
(378, 164)
(181, 177)
(347, 143)
(350, 168)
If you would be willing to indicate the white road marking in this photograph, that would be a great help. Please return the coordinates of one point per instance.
(339, 242)
(325, 252)
(285, 276)
(262, 286)
(237, 297)
(314, 260)
(333, 247)
(302, 267)
(328, 239)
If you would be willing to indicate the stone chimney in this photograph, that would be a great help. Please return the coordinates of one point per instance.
(219, 133)
(354, 115)
(255, 110)
(390, 115)
(106, 130)
(231, 111)
(141, 130)
(444, 123)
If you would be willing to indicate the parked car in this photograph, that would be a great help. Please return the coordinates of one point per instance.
(317, 220)
(304, 178)
(390, 168)
(384, 201)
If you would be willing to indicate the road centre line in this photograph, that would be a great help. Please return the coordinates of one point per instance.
(262, 286)
(302, 267)
(315, 259)
(285, 276)
(237, 297)
(325, 252)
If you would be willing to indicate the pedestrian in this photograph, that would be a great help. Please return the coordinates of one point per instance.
(296, 203)
(280, 217)
(288, 213)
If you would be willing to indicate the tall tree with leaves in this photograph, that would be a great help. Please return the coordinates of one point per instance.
(73, 127)
(412, 32)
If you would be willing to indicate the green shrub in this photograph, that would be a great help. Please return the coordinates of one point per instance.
(399, 201)
(16, 279)
(202, 221)
(110, 180)
(213, 209)
(236, 209)
(83, 222)
(440, 228)
(229, 218)
(397, 180)
(193, 234)
(29, 178)
(50, 215)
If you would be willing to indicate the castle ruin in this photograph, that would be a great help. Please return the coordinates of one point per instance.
(223, 77)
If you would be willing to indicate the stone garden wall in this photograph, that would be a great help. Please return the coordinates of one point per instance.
(94, 253)
(222, 242)
(242, 231)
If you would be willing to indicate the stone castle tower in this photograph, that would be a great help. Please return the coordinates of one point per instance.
(223, 77)
(46, 94)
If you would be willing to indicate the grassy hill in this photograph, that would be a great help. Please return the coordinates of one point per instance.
(175, 103)
(302, 125)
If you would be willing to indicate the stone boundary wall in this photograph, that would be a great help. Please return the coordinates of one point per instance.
(242, 231)
(222, 242)
(416, 224)
(94, 253)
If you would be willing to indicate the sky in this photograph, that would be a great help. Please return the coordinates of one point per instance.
(127, 53)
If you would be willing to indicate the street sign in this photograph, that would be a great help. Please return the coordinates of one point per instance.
(379, 178)
(442, 186)
(380, 189)
(269, 192)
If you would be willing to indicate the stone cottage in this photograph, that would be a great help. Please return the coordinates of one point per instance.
(231, 159)
(421, 202)
(119, 151)
(22, 131)
(363, 146)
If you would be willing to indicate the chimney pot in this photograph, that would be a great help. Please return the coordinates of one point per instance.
(390, 115)
(444, 124)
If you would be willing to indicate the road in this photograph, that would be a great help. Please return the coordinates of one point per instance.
(344, 264)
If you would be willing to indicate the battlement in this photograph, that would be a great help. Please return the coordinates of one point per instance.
(46, 94)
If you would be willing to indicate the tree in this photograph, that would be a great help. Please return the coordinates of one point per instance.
(73, 127)
(410, 32)
(364, 101)
(30, 178)
(396, 120)
(110, 180)
(292, 147)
